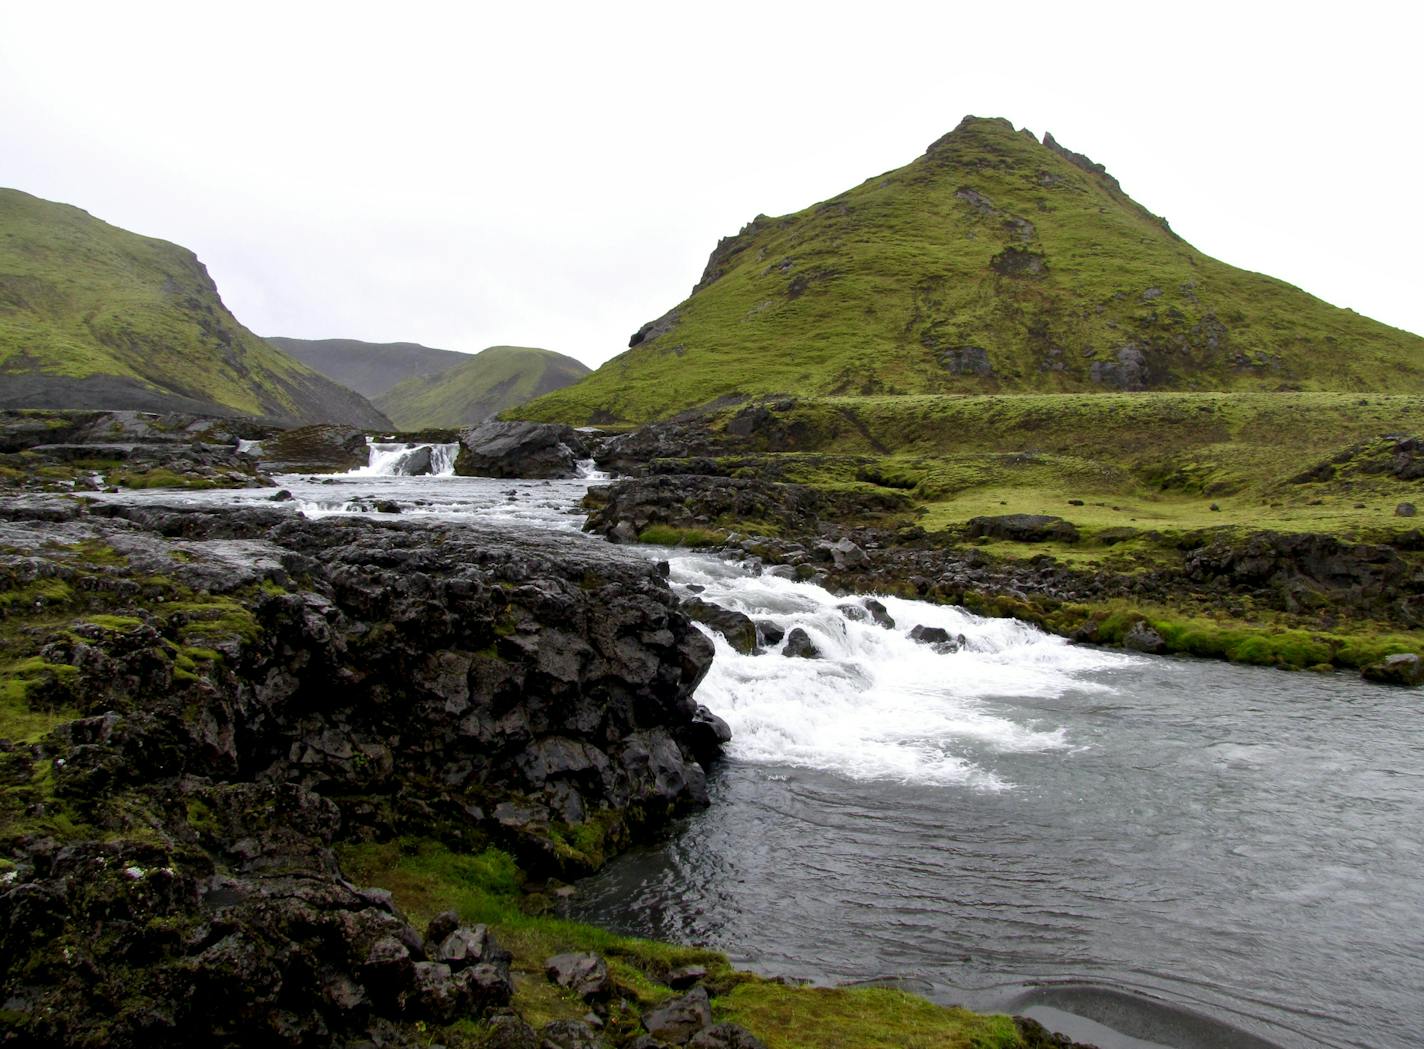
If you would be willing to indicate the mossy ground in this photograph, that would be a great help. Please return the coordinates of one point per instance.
(427, 878)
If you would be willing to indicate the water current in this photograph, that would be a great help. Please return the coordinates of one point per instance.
(1138, 851)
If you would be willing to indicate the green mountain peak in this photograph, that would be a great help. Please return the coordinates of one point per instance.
(993, 263)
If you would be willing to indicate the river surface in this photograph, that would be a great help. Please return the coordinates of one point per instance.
(1138, 851)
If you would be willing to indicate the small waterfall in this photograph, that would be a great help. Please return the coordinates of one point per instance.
(587, 471)
(252, 448)
(392, 459)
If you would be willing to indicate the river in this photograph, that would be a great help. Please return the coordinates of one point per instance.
(1138, 851)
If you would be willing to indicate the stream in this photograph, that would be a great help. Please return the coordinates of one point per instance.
(1137, 851)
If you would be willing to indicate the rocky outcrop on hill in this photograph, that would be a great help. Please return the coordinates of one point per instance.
(208, 702)
(517, 449)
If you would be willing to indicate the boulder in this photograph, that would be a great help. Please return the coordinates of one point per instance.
(878, 614)
(706, 736)
(1402, 668)
(738, 629)
(584, 974)
(519, 449)
(679, 1019)
(1023, 528)
(800, 645)
(725, 1036)
(510, 1032)
(937, 638)
(1141, 637)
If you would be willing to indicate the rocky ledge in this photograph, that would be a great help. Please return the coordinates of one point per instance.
(199, 707)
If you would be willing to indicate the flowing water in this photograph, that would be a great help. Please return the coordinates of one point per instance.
(1138, 851)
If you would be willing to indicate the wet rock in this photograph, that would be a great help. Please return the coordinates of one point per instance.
(678, 1020)
(800, 646)
(937, 638)
(738, 629)
(386, 506)
(769, 633)
(706, 736)
(1402, 668)
(725, 1036)
(1141, 637)
(323, 448)
(584, 974)
(519, 449)
(281, 496)
(878, 614)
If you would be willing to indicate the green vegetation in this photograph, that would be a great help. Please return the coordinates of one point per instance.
(95, 316)
(993, 263)
(427, 878)
(667, 535)
(479, 387)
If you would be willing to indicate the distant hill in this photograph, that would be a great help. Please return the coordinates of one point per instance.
(479, 387)
(92, 316)
(369, 368)
(994, 263)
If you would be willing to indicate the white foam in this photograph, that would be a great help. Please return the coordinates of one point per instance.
(395, 459)
(879, 705)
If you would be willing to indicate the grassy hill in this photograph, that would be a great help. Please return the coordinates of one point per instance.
(479, 387)
(369, 368)
(92, 316)
(994, 263)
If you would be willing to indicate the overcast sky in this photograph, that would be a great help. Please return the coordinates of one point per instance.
(556, 174)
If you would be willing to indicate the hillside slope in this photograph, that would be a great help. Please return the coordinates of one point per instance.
(992, 263)
(369, 368)
(92, 316)
(479, 387)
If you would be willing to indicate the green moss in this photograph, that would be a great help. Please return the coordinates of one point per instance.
(35, 697)
(667, 535)
(862, 1018)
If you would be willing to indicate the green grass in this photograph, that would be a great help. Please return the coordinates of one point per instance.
(865, 294)
(479, 387)
(863, 1018)
(667, 535)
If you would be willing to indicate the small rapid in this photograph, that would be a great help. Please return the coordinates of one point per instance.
(877, 704)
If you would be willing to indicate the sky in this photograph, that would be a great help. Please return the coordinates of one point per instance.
(551, 174)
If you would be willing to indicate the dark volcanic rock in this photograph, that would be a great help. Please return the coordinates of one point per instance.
(1400, 669)
(800, 645)
(725, 1036)
(698, 500)
(584, 974)
(736, 627)
(1023, 528)
(678, 1020)
(519, 449)
(348, 680)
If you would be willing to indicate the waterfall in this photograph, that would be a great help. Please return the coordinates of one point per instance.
(396, 459)
(252, 448)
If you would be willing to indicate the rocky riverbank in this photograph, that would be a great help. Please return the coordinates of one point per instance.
(1290, 599)
(200, 708)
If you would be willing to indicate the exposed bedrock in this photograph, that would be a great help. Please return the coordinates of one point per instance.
(520, 449)
(236, 692)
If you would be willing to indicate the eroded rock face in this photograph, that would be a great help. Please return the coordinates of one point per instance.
(252, 689)
(520, 449)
